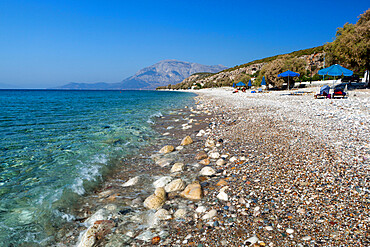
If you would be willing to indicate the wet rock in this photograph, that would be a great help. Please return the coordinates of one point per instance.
(96, 232)
(175, 185)
(186, 141)
(156, 200)
(177, 167)
(101, 214)
(167, 149)
(164, 162)
(162, 214)
(193, 191)
(146, 236)
(207, 171)
(131, 182)
(201, 155)
(162, 182)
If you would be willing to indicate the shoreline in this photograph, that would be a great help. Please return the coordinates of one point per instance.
(280, 172)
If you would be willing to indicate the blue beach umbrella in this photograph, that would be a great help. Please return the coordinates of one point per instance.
(263, 83)
(249, 83)
(335, 70)
(240, 84)
(288, 74)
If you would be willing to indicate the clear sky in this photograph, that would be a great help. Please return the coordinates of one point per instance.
(50, 43)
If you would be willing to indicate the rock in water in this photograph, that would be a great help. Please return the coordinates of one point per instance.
(96, 232)
(167, 149)
(207, 171)
(164, 162)
(175, 185)
(156, 200)
(177, 167)
(162, 214)
(193, 191)
(131, 182)
(162, 181)
(186, 141)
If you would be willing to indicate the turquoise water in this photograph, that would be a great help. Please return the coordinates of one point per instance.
(54, 145)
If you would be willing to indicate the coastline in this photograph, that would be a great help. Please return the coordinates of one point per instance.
(287, 170)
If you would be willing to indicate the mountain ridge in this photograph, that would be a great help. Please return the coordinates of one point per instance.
(163, 73)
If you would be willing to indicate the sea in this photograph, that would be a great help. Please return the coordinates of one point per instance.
(56, 146)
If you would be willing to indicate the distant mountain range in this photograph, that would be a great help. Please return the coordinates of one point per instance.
(162, 73)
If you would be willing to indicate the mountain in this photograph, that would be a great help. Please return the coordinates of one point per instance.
(160, 74)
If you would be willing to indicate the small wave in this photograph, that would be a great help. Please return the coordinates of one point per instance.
(89, 172)
(64, 216)
(155, 115)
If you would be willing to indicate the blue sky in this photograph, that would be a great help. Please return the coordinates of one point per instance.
(50, 43)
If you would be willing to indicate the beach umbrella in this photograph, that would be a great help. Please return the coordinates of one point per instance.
(335, 70)
(263, 83)
(288, 74)
(249, 83)
(240, 84)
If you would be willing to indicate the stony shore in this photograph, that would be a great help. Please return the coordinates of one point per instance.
(266, 169)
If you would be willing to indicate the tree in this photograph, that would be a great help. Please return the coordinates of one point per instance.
(272, 69)
(351, 47)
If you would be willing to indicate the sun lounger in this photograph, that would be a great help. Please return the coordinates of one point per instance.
(339, 93)
(324, 93)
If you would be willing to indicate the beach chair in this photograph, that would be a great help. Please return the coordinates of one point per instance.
(339, 93)
(324, 93)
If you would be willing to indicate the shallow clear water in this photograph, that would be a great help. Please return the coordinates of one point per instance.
(55, 145)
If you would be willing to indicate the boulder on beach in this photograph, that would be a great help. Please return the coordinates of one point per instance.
(156, 200)
(193, 192)
(186, 141)
(175, 185)
(167, 149)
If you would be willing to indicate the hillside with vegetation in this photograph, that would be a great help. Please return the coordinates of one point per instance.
(351, 49)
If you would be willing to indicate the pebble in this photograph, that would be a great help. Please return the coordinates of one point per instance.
(207, 171)
(177, 167)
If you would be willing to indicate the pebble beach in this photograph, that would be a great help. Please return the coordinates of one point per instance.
(242, 169)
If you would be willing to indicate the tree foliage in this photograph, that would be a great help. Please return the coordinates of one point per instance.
(351, 47)
(272, 69)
